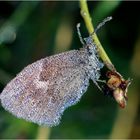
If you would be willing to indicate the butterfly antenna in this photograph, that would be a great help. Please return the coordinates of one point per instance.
(79, 34)
(101, 24)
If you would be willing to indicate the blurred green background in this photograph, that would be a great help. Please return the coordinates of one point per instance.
(33, 30)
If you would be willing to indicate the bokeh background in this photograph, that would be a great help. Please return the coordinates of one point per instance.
(33, 30)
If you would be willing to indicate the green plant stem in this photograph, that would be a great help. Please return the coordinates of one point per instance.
(43, 133)
(87, 19)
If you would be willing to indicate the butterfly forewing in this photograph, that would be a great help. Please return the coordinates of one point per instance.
(43, 90)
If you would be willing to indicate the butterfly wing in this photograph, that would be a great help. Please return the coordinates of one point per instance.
(43, 90)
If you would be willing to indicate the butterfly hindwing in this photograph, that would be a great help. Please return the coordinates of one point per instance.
(43, 90)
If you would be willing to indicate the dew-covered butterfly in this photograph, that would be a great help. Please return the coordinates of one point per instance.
(44, 89)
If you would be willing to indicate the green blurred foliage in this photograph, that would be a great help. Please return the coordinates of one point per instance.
(32, 35)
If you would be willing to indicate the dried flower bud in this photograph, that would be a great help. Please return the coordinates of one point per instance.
(118, 94)
(118, 86)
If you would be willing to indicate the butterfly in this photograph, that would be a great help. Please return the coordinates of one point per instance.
(44, 89)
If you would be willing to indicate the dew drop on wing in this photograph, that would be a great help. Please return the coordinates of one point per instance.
(66, 76)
